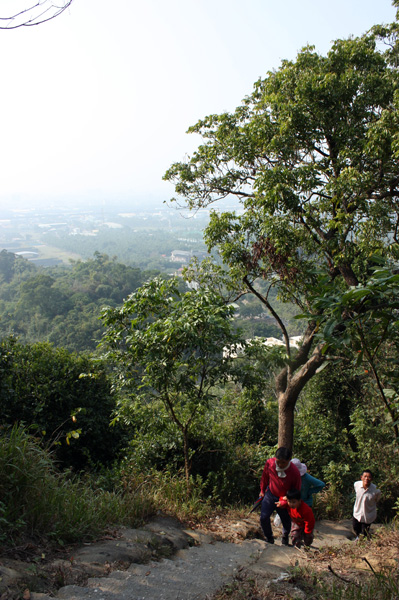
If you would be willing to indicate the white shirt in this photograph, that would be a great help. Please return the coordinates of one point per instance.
(365, 508)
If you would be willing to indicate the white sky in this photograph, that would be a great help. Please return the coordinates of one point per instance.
(96, 102)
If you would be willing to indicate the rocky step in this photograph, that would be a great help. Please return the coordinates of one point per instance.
(193, 573)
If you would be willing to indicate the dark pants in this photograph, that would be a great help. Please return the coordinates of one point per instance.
(298, 536)
(361, 528)
(267, 508)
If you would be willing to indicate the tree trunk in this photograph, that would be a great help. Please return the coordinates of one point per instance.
(186, 459)
(285, 422)
(289, 384)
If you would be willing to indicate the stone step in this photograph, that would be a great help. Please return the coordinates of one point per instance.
(193, 573)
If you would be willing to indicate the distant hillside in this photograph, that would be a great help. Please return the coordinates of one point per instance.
(62, 304)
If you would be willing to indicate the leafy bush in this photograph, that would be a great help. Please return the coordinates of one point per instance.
(59, 392)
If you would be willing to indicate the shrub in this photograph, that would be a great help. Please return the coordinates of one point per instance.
(44, 386)
(168, 491)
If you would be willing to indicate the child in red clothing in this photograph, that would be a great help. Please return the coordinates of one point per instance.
(302, 518)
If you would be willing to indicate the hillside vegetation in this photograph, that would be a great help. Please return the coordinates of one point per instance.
(62, 304)
(180, 405)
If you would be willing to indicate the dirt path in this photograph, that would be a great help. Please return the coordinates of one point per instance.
(164, 561)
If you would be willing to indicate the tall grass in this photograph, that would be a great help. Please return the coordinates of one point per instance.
(37, 501)
(169, 491)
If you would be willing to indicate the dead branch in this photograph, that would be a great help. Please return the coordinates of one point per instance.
(41, 12)
(366, 561)
(342, 578)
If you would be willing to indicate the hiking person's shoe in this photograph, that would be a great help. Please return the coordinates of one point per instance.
(284, 540)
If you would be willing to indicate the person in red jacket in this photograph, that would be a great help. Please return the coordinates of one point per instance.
(302, 518)
(279, 475)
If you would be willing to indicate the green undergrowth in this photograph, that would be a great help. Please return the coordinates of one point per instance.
(170, 492)
(38, 502)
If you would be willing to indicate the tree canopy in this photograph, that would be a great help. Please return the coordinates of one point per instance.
(62, 304)
(312, 157)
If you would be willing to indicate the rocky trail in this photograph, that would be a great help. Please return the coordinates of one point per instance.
(164, 561)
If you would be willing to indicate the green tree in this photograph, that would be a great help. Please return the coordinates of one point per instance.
(372, 334)
(58, 392)
(39, 294)
(312, 157)
(13, 266)
(168, 346)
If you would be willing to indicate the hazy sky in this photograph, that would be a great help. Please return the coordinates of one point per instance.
(96, 102)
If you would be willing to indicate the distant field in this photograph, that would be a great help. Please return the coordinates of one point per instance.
(46, 251)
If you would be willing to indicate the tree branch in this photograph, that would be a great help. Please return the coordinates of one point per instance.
(39, 12)
(342, 578)
(273, 312)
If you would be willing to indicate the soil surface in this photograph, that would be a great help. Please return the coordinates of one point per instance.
(166, 560)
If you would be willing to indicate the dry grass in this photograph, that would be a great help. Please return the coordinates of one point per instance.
(368, 570)
(351, 570)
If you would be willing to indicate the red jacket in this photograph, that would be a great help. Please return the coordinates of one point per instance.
(302, 516)
(279, 486)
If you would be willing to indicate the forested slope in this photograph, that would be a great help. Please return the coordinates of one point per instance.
(62, 304)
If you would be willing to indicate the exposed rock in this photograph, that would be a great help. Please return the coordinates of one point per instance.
(163, 561)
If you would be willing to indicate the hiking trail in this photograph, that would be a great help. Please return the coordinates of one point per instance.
(189, 564)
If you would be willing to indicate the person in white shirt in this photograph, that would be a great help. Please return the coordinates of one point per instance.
(365, 508)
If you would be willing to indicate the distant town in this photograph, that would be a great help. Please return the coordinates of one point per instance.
(48, 237)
